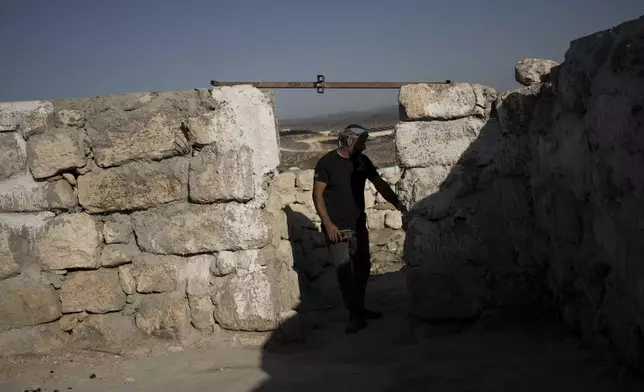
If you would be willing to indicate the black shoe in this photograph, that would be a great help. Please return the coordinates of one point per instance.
(372, 314)
(356, 323)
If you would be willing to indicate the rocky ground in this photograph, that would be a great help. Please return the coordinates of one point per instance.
(392, 354)
(303, 151)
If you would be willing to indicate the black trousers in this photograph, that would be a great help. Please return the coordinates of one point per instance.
(352, 261)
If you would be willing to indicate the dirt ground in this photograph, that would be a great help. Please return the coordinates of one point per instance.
(303, 151)
(392, 354)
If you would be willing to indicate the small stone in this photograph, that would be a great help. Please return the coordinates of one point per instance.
(93, 291)
(304, 180)
(128, 283)
(92, 376)
(376, 219)
(70, 117)
(155, 278)
(70, 178)
(393, 220)
(13, 157)
(117, 229)
(118, 254)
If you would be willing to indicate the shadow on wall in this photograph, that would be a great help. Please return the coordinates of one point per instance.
(470, 245)
(470, 249)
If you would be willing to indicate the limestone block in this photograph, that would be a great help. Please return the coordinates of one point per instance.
(202, 312)
(71, 117)
(8, 264)
(286, 287)
(22, 194)
(114, 255)
(437, 102)
(425, 143)
(126, 277)
(420, 183)
(111, 332)
(221, 176)
(92, 291)
(532, 71)
(117, 229)
(515, 109)
(485, 97)
(25, 301)
(393, 220)
(55, 151)
(69, 241)
(13, 157)
(29, 117)
(18, 232)
(184, 229)
(225, 265)
(284, 253)
(245, 116)
(156, 273)
(245, 302)
(164, 315)
(376, 219)
(285, 181)
(304, 180)
(118, 137)
(135, 185)
(369, 198)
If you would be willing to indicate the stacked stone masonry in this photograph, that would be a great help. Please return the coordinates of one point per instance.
(162, 215)
(533, 197)
(138, 215)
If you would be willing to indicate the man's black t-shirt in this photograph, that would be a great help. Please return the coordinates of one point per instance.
(345, 180)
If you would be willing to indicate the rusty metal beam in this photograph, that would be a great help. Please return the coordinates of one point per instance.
(340, 85)
(321, 84)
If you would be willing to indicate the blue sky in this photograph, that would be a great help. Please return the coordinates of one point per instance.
(76, 48)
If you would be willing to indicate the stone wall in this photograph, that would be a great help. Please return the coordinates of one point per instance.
(291, 194)
(533, 196)
(139, 215)
(469, 243)
(587, 176)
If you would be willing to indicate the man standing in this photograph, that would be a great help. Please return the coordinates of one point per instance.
(338, 195)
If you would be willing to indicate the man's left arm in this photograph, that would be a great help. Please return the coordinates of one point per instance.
(382, 187)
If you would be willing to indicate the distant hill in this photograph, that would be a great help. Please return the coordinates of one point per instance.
(377, 117)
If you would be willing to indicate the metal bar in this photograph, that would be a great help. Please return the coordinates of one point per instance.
(337, 85)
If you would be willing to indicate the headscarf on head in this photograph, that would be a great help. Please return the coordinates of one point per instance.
(350, 130)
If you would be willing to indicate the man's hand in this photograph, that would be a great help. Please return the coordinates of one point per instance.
(332, 232)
